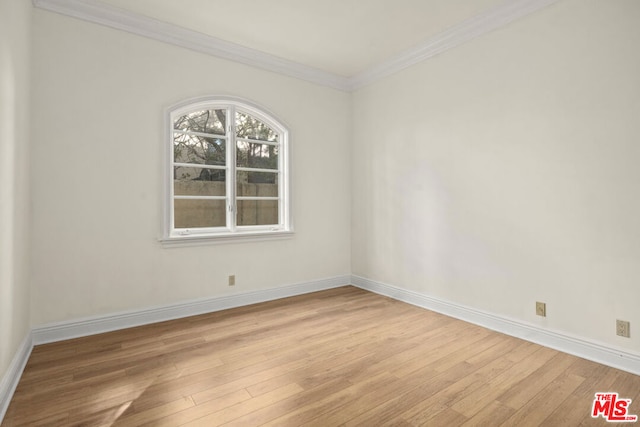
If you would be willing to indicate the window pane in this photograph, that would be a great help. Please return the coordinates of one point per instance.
(257, 212)
(254, 155)
(252, 128)
(199, 182)
(199, 213)
(258, 184)
(197, 149)
(205, 121)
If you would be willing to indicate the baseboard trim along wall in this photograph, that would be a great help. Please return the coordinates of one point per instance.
(99, 324)
(576, 346)
(95, 325)
(580, 347)
(10, 380)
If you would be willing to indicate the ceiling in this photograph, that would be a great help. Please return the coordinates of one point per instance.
(342, 44)
(342, 37)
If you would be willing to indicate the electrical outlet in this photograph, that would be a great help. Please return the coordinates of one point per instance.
(623, 328)
(541, 309)
(232, 280)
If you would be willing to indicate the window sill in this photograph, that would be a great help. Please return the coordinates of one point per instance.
(209, 239)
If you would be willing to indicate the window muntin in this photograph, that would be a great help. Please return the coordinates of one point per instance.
(215, 191)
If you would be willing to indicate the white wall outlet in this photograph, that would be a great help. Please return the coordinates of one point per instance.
(541, 309)
(623, 328)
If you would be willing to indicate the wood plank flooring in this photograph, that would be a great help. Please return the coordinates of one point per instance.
(338, 357)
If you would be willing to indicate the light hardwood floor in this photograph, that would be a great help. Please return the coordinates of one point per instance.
(338, 357)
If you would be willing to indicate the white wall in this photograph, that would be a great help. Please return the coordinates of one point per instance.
(15, 27)
(505, 172)
(494, 175)
(99, 102)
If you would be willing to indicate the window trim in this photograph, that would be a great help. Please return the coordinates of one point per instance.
(231, 232)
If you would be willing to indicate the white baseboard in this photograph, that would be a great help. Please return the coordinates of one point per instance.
(99, 324)
(577, 346)
(596, 352)
(10, 380)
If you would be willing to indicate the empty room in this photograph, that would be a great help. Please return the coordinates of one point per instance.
(286, 212)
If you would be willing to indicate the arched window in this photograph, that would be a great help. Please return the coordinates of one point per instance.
(227, 171)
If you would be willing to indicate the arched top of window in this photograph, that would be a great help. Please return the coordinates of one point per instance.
(260, 117)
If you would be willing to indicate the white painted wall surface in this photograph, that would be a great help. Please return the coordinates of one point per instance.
(99, 102)
(15, 51)
(505, 172)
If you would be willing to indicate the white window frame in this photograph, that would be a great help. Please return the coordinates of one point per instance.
(231, 231)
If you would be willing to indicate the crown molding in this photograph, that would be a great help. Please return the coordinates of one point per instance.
(103, 14)
(463, 32)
